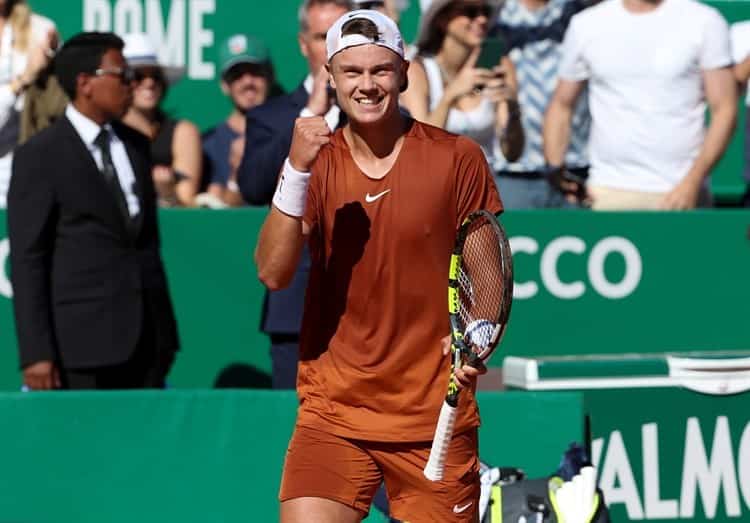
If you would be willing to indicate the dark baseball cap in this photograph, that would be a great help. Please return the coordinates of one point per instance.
(242, 49)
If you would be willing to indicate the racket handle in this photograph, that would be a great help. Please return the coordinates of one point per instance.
(440, 443)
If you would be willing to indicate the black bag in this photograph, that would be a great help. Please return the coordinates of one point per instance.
(508, 497)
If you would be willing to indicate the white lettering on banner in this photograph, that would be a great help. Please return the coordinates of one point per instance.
(200, 38)
(714, 478)
(617, 469)
(743, 464)
(656, 508)
(169, 41)
(633, 267)
(171, 38)
(96, 15)
(595, 267)
(708, 475)
(548, 266)
(5, 287)
(128, 17)
(524, 290)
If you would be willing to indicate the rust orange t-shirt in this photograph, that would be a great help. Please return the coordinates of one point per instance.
(371, 364)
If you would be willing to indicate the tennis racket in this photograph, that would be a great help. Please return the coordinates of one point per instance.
(480, 292)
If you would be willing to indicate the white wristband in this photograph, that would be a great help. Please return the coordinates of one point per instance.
(306, 113)
(291, 191)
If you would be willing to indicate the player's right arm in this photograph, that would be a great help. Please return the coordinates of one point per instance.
(283, 233)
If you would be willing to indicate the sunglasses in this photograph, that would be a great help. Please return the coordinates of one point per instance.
(472, 11)
(125, 74)
(239, 70)
(155, 73)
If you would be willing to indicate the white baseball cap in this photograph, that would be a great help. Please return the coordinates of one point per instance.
(388, 34)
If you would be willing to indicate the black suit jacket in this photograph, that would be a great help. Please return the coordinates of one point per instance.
(82, 278)
(268, 139)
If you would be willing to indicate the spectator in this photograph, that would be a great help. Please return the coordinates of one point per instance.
(175, 144)
(27, 45)
(651, 66)
(740, 37)
(447, 90)
(267, 140)
(92, 308)
(45, 101)
(533, 31)
(247, 78)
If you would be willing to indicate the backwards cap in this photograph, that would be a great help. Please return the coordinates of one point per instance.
(388, 34)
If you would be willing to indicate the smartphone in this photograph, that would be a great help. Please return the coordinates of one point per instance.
(492, 50)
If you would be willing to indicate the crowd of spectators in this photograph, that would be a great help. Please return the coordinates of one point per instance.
(573, 113)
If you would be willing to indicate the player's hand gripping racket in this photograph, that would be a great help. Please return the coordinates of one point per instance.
(480, 291)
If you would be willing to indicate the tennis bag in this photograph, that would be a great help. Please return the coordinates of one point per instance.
(507, 497)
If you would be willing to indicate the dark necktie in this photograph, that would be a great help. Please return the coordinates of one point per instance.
(110, 173)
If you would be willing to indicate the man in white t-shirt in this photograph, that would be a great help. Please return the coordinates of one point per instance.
(740, 35)
(651, 67)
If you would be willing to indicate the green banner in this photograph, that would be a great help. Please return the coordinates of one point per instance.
(671, 454)
(205, 456)
(608, 283)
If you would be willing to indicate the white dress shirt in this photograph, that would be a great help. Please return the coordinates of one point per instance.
(88, 130)
(331, 117)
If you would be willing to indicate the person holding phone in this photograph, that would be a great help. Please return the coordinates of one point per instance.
(463, 82)
(175, 144)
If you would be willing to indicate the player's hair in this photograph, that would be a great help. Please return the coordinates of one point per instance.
(368, 29)
(83, 54)
(361, 26)
(304, 9)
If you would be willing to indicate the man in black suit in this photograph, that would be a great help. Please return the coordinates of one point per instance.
(91, 303)
(268, 137)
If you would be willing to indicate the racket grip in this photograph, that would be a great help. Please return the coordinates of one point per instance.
(440, 443)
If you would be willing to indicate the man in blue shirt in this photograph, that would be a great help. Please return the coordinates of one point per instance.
(247, 78)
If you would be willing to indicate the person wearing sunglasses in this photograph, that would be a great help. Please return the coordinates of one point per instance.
(91, 302)
(175, 144)
(448, 89)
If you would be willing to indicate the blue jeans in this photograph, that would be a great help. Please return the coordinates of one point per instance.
(529, 193)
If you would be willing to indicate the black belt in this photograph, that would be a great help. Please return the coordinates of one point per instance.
(538, 175)
(525, 175)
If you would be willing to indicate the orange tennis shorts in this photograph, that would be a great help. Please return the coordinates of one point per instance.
(319, 464)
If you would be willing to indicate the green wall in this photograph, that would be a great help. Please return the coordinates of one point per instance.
(205, 456)
(606, 283)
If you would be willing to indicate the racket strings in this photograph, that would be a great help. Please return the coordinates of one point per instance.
(482, 293)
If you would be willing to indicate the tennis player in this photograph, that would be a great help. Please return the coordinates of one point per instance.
(379, 201)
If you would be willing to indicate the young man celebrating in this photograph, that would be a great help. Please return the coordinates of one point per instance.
(379, 201)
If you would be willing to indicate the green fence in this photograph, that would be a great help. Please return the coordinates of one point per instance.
(208, 456)
(604, 283)
(191, 30)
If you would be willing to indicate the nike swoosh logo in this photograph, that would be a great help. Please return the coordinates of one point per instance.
(370, 199)
(458, 509)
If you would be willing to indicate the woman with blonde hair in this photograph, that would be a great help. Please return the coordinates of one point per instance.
(175, 144)
(448, 89)
(27, 44)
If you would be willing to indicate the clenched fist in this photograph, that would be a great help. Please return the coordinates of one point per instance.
(310, 134)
